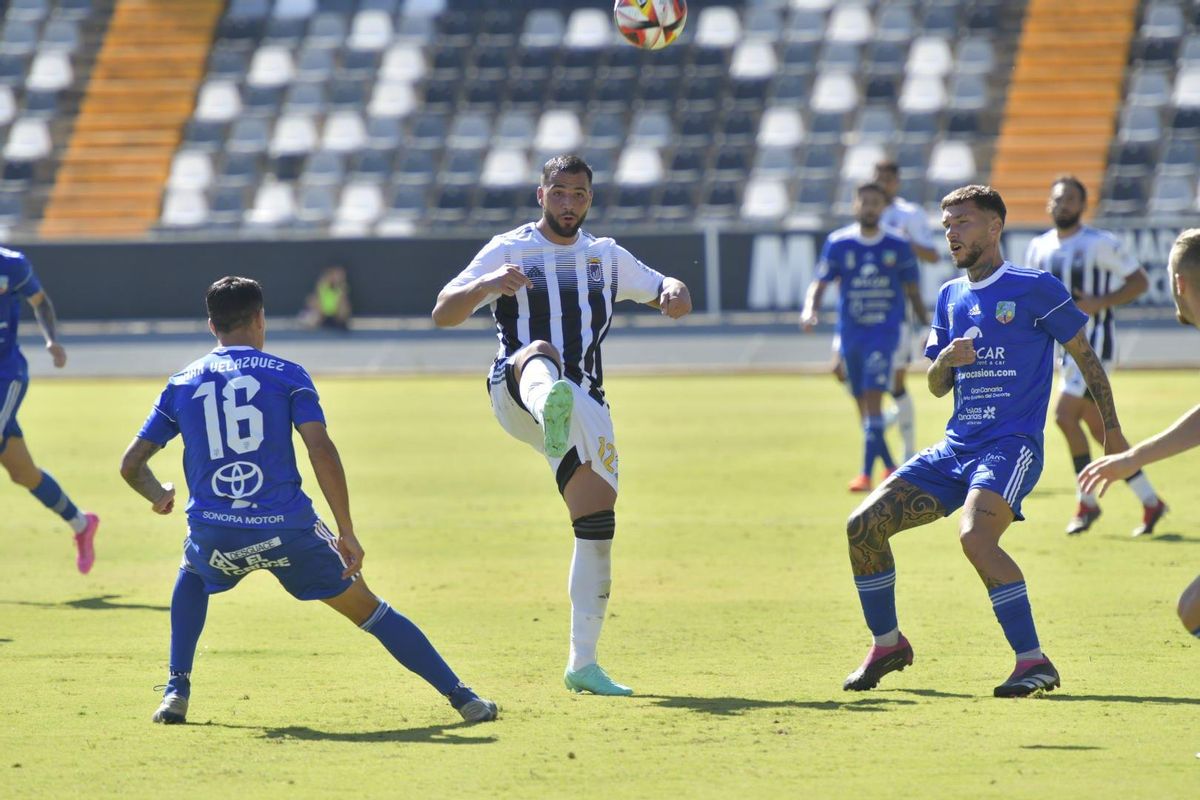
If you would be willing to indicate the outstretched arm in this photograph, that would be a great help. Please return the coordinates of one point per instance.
(1097, 382)
(1181, 436)
(456, 303)
(47, 320)
(136, 472)
(331, 477)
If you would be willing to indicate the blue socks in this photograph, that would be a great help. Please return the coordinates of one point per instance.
(189, 608)
(874, 445)
(877, 593)
(1011, 604)
(54, 498)
(409, 646)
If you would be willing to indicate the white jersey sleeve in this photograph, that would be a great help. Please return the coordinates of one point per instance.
(489, 259)
(635, 280)
(1111, 256)
(917, 228)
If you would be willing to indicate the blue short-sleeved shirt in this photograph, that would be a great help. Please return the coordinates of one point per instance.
(871, 274)
(17, 282)
(1015, 316)
(235, 409)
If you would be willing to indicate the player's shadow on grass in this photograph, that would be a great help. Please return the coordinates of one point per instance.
(432, 734)
(1173, 538)
(733, 706)
(100, 603)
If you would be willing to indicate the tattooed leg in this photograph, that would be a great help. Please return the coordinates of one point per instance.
(985, 518)
(895, 506)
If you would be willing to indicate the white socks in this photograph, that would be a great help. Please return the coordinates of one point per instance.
(589, 585)
(537, 376)
(904, 420)
(889, 639)
(1142, 488)
(78, 523)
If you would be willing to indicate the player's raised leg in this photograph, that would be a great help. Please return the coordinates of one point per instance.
(895, 506)
(549, 398)
(189, 609)
(986, 515)
(15, 457)
(591, 501)
(408, 645)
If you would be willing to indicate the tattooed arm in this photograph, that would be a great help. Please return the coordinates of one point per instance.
(137, 474)
(1097, 382)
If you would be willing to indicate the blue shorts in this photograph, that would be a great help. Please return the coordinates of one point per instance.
(868, 364)
(305, 561)
(12, 392)
(1010, 467)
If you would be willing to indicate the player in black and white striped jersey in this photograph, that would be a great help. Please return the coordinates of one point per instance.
(552, 287)
(1101, 275)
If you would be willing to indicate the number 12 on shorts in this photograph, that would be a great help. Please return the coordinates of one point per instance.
(606, 451)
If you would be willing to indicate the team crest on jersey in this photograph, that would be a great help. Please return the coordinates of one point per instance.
(889, 258)
(1006, 310)
(3, 284)
(594, 268)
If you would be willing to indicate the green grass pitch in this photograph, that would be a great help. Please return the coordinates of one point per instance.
(733, 616)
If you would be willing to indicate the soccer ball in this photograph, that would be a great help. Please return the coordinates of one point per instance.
(650, 24)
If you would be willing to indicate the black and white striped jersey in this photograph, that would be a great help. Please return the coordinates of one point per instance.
(571, 302)
(1089, 262)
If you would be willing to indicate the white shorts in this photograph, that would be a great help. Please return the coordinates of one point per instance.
(1073, 383)
(591, 441)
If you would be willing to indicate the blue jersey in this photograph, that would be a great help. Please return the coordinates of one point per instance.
(1015, 316)
(871, 274)
(17, 281)
(236, 408)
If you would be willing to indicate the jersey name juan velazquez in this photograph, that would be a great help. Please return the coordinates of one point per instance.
(1089, 262)
(1015, 316)
(236, 408)
(571, 303)
(871, 274)
(17, 282)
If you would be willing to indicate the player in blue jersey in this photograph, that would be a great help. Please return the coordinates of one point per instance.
(236, 408)
(17, 282)
(1183, 267)
(875, 271)
(992, 342)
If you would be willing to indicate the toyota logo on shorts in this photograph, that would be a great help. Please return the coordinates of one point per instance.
(237, 480)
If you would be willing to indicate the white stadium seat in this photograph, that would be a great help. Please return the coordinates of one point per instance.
(506, 167)
(344, 132)
(1187, 88)
(858, 163)
(392, 100)
(765, 200)
(184, 208)
(951, 161)
(718, 26)
(274, 204)
(28, 140)
(190, 169)
(588, 28)
(639, 166)
(218, 101)
(834, 92)
(558, 130)
(850, 23)
(370, 30)
(922, 93)
(272, 65)
(929, 55)
(781, 126)
(50, 71)
(294, 135)
(754, 59)
(403, 62)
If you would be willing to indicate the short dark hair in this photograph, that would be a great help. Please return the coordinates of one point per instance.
(984, 197)
(568, 163)
(870, 186)
(887, 166)
(1071, 180)
(233, 302)
(1185, 253)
